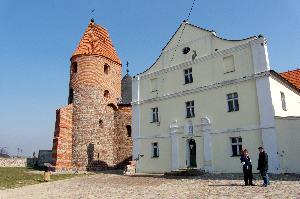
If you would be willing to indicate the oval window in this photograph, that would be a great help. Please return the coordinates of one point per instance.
(186, 50)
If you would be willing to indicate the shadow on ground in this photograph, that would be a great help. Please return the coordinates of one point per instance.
(208, 176)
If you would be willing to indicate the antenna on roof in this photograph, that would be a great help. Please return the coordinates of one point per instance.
(127, 70)
(187, 19)
(185, 22)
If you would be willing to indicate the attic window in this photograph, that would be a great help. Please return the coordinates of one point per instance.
(74, 67)
(186, 50)
(228, 63)
(106, 68)
(106, 94)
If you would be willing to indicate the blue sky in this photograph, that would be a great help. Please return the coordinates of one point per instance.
(38, 37)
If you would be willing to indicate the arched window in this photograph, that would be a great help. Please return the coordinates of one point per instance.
(128, 128)
(74, 67)
(101, 123)
(71, 96)
(106, 94)
(106, 68)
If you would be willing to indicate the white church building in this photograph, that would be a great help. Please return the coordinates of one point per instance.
(205, 98)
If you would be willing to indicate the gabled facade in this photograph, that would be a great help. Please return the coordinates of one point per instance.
(204, 99)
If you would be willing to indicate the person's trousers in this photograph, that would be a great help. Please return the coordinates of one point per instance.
(265, 177)
(248, 176)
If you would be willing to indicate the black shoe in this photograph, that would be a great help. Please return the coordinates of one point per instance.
(252, 184)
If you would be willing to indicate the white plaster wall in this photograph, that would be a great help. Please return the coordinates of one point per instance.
(292, 99)
(260, 55)
(288, 144)
(208, 70)
(223, 161)
(211, 103)
(267, 122)
(164, 162)
(205, 73)
(202, 41)
(148, 164)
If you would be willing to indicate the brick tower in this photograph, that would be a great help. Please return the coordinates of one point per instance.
(98, 131)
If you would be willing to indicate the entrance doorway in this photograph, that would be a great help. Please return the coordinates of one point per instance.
(192, 153)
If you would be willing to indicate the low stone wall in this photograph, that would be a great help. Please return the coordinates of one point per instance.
(18, 162)
(13, 162)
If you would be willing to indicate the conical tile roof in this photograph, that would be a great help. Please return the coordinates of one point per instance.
(96, 41)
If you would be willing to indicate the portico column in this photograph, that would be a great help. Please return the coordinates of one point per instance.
(175, 143)
(206, 128)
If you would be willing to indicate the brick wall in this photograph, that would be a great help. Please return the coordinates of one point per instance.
(93, 113)
(123, 139)
(62, 142)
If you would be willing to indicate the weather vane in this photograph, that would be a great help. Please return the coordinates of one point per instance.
(127, 70)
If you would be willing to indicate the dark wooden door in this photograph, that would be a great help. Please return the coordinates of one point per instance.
(192, 147)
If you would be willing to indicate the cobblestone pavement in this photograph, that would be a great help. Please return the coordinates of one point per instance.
(112, 185)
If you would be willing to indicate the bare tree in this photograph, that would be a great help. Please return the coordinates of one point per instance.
(3, 152)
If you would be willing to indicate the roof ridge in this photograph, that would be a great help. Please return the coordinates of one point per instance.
(290, 71)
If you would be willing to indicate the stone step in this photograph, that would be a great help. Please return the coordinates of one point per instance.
(185, 172)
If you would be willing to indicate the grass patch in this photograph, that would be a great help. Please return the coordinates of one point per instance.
(13, 177)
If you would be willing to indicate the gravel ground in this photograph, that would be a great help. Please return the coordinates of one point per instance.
(113, 185)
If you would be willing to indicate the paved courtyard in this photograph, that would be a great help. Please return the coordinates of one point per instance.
(113, 185)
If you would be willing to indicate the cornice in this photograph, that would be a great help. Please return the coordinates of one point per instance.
(213, 132)
(204, 88)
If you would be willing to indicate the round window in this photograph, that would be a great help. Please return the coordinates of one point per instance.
(186, 50)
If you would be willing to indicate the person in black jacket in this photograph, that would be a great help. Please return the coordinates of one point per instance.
(263, 166)
(247, 168)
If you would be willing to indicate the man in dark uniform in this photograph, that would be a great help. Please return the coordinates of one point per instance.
(247, 168)
(263, 166)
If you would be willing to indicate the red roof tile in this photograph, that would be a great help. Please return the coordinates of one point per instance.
(293, 77)
(96, 41)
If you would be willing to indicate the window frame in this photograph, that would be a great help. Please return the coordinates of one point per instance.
(74, 67)
(283, 101)
(106, 94)
(232, 102)
(154, 85)
(106, 69)
(186, 50)
(188, 75)
(155, 115)
(100, 123)
(227, 66)
(190, 109)
(129, 131)
(154, 150)
(239, 145)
